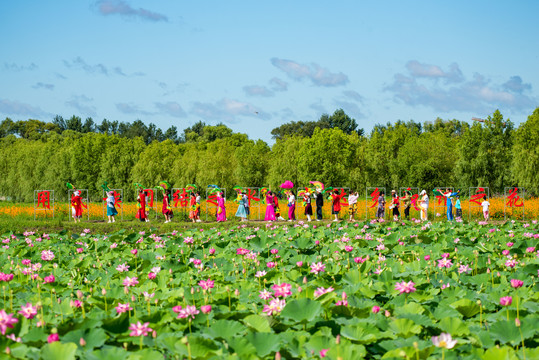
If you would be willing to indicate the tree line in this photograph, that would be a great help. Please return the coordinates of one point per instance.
(40, 155)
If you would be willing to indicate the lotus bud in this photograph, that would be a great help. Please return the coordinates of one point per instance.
(103, 292)
(82, 342)
(237, 293)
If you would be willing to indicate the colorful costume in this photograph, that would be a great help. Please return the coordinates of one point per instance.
(458, 208)
(291, 207)
(381, 211)
(319, 205)
(308, 207)
(241, 208)
(336, 202)
(76, 204)
(352, 202)
(449, 204)
(246, 205)
(167, 210)
(221, 210)
(141, 213)
(111, 209)
(270, 209)
(424, 206)
(395, 203)
(407, 202)
(192, 208)
(276, 207)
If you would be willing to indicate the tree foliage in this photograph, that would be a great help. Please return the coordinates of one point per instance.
(45, 155)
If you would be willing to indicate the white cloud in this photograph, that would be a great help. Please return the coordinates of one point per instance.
(255, 90)
(318, 75)
(9, 107)
(227, 110)
(420, 87)
(119, 7)
(83, 104)
(171, 108)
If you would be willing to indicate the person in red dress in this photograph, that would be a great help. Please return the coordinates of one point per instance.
(193, 207)
(141, 213)
(76, 204)
(336, 203)
(167, 208)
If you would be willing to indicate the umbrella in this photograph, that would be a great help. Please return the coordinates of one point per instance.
(287, 184)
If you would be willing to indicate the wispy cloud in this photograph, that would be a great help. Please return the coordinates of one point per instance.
(227, 110)
(83, 104)
(16, 108)
(131, 109)
(420, 87)
(119, 7)
(171, 108)
(17, 67)
(79, 63)
(100, 69)
(318, 75)
(41, 85)
(318, 107)
(255, 90)
(278, 84)
(419, 70)
(354, 95)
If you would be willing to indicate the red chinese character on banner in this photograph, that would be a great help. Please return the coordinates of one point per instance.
(344, 200)
(251, 195)
(374, 197)
(514, 199)
(413, 200)
(43, 198)
(476, 198)
(149, 193)
(212, 199)
(181, 196)
(439, 198)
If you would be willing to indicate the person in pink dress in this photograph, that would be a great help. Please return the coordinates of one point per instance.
(270, 210)
(221, 210)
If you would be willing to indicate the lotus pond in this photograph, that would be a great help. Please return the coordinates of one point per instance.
(293, 291)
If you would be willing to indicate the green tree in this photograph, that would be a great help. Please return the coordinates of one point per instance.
(525, 162)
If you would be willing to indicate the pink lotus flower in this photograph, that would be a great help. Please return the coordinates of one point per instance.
(511, 263)
(348, 248)
(28, 311)
(79, 250)
(281, 290)
(375, 309)
(274, 307)
(321, 291)
(505, 252)
(444, 341)
(260, 274)
(509, 244)
(359, 260)
(405, 287)
(212, 251)
(47, 255)
(53, 337)
(121, 308)
(206, 285)
(151, 275)
(506, 301)
(26, 262)
(75, 303)
(530, 249)
(241, 251)
(427, 257)
(134, 251)
(49, 279)
(323, 352)
(464, 269)
(6, 277)
(271, 264)
(265, 295)
(139, 329)
(206, 309)
(6, 321)
(177, 309)
(130, 281)
(189, 312)
(444, 263)
(299, 263)
(274, 251)
(123, 267)
(318, 267)
(516, 283)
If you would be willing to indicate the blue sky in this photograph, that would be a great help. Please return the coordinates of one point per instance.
(256, 65)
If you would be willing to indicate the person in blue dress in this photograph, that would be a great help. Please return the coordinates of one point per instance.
(241, 213)
(111, 209)
(448, 203)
